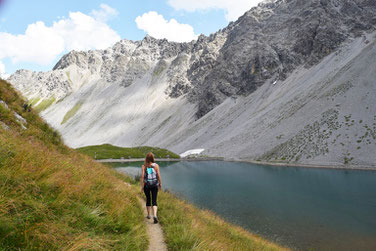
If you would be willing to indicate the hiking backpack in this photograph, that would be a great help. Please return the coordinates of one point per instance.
(150, 177)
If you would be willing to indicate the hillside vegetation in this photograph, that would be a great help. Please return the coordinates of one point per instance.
(107, 151)
(52, 197)
(55, 198)
(189, 228)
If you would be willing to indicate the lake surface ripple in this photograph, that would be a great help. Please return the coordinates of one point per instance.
(301, 208)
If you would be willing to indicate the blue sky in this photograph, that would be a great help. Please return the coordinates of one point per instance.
(35, 34)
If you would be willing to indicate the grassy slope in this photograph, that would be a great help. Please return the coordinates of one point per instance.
(108, 151)
(52, 197)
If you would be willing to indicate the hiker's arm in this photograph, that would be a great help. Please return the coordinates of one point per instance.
(159, 176)
(142, 177)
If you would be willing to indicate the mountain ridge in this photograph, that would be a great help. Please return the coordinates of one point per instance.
(174, 95)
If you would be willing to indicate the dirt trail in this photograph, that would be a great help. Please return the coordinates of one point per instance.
(154, 231)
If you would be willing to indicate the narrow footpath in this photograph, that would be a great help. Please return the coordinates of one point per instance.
(154, 231)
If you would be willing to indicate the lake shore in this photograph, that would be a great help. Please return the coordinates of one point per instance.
(333, 166)
(274, 200)
(160, 160)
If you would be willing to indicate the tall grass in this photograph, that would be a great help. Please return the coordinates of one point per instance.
(54, 198)
(189, 228)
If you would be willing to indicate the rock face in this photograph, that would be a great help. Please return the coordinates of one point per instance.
(270, 41)
(277, 84)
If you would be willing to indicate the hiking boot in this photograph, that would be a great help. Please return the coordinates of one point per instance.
(155, 220)
(148, 217)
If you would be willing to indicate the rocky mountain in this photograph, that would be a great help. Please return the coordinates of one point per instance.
(289, 81)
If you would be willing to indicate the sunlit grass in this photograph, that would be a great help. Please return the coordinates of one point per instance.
(33, 101)
(44, 104)
(107, 151)
(187, 228)
(51, 200)
(54, 198)
(71, 112)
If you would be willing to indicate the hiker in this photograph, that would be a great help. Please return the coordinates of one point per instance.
(150, 182)
(27, 107)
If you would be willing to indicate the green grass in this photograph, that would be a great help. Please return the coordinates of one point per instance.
(108, 151)
(72, 112)
(158, 71)
(33, 101)
(54, 198)
(189, 228)
(68, 76)
(186, 227)
(44, 104)
(160, 67)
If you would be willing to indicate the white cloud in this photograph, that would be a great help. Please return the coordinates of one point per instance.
(3, 75)
(156, 26)
(234, 8)
(105, 13)
(83, 32)
(41, 44)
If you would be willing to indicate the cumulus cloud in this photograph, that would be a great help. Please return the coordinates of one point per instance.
(3, 75)
(41, 44)
(233, 9)
(83, 32)
(157, 26)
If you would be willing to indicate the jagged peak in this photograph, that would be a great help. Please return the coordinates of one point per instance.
(22, 71)
(148, 37)
(63, 62)
(268, 41)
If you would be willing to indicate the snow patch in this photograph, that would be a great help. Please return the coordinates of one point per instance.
(191, 152)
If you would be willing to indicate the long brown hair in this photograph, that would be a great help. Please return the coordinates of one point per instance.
(149, 158)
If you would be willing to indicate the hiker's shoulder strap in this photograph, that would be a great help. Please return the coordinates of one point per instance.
(144, 169)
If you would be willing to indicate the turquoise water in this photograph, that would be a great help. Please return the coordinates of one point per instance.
(301, 208)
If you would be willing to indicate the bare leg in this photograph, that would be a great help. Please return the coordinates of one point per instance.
(155, 211)
(148, 209)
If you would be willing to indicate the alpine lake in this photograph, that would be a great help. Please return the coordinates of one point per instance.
(300, 208)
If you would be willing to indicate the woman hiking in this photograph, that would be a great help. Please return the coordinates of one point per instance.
(150, 182)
